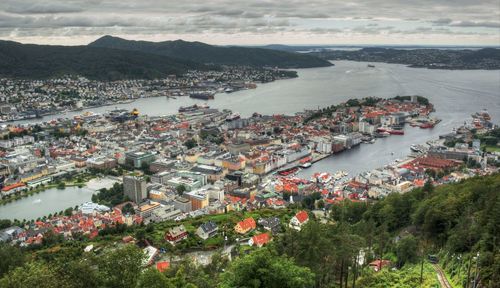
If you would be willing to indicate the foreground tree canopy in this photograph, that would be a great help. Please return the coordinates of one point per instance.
(456, 221)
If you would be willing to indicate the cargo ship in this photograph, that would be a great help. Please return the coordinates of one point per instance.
(202, 95)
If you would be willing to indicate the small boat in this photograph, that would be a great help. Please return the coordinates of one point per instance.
(385, 134)
(370, 66)
(232, 117)
(340, 174)
(306, 165)
(229, 90)
(396, 132)
(427, 125)
(37, 201)
(322, 178)
(416, 148)
(286, 172)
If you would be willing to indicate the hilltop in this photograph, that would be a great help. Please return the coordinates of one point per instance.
(205, 53)
(112, 58)
(44, 61)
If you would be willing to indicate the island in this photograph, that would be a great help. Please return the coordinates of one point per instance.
(455, 59)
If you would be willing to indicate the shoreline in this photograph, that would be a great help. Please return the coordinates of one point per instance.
(38, 190)
(129, 101)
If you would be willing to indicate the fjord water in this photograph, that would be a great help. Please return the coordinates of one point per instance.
(456, 94)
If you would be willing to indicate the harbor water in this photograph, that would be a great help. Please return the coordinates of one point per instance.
(456, 94)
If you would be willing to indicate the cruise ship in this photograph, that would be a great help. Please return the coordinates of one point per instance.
(194, 107)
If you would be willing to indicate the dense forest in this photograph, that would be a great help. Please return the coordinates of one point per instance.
(111, 58)
(486, 58)
(43, 61)
(211, 54)
(454, 221)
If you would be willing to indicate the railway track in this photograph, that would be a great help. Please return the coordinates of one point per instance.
(442, 277)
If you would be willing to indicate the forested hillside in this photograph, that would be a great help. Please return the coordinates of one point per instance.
(205, 53)
(460, 219)
(43, 61)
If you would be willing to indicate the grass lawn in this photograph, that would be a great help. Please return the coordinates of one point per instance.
(492, 149)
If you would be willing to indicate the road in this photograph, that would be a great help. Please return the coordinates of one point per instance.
(443, 281)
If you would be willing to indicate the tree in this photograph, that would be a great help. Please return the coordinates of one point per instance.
(191, 143)
(180, 189)
(406, 250)
(152, 278)
(428, 187)
(122, 267)
(11, 256)
(140, 234)
(68, 211)
(128, 209)
(5, 223)
(79, 273)
(35, 274)
(263, 268)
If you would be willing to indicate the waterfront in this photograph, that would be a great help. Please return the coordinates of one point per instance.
(45, 203)
(455, 95)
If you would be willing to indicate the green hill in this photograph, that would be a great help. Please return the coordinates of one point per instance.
(486, 58)
(43, 61)
(204, 53)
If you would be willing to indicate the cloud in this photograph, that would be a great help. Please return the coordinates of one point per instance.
(42, 8)
(312, 18)
(442, 21)
(485, 24)
(450, 22)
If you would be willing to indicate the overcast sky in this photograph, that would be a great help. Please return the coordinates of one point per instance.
(75, 22)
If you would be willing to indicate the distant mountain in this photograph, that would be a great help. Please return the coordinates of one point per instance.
(43, 61)
(486, 58)
(209, 54)
(293, 48)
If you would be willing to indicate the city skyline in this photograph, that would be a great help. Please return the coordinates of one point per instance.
(319, 22)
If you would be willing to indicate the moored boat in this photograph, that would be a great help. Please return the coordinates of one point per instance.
(306, 165)
(427, 125)
(202, 95)
(232, 117)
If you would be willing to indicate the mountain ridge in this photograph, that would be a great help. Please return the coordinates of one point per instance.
(33, 61)
(113, 58)
(211, 54)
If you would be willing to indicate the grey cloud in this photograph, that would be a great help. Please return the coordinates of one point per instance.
(442, 21)
(41, 8)
(476, 24)
(465, 23)
(253, 16)
(7, 21)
